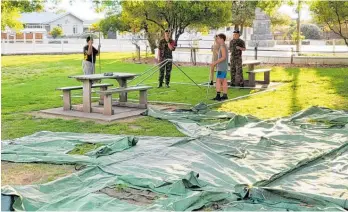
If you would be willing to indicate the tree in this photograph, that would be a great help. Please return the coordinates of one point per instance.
(56, 32)
(178, 15)
(278, 19)
(113, 23)
(131, 23)
(11, 10)
(333, 14)
(311, 31)
(280, 23)
(243, 12)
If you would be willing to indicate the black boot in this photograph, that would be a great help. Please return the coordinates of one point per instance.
(167, 85)
(224, 97)
(218, 97)
(211, 83)
(159, 85)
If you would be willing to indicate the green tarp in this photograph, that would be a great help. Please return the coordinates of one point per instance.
(227, 161)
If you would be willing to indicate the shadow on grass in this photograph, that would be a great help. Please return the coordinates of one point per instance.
(294, 105)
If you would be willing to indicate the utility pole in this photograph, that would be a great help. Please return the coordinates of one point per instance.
(298, 43)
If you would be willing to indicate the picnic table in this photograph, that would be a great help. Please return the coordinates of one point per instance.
(251, 64)
(88, 80)
(251, 73)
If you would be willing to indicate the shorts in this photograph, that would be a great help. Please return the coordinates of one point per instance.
(221, 74)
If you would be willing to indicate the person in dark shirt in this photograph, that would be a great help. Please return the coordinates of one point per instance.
(90, 55)
(165, 48)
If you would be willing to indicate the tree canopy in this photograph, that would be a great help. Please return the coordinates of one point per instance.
(333, 14)
(178, 15)
(11, 10)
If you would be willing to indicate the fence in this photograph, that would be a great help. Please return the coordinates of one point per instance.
(267, 56)
(194, 50)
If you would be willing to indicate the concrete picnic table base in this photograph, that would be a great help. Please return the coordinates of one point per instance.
(87, 92)
(251, 66)
(119, 113)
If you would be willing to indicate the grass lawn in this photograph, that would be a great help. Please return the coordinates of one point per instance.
(29, 82)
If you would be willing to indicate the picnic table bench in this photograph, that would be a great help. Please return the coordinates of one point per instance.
(108, 103)
(252, 72)
(67, 93)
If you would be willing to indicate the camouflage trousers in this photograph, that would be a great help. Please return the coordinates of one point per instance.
(237, 72)
(167, 69)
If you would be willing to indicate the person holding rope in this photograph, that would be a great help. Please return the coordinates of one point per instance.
(90, 54)
(165, 48)
(215, 49)
(222, 67)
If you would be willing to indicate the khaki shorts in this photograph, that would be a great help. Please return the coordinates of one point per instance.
(214, 58)
(88, 67)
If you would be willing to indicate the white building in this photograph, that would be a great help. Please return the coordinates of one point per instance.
(70, 23)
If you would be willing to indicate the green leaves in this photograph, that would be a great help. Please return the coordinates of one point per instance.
(11, 10)
(56, 32)
(333, 14)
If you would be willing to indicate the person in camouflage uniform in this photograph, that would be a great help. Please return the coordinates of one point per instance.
(237, 45)
(166, 47)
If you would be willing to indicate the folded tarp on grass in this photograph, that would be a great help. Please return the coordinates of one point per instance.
(235, 162)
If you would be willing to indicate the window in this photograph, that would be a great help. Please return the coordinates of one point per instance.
(75, 29)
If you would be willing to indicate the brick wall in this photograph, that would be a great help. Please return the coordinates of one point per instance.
(28, 36)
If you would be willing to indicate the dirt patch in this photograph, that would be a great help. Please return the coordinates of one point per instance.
(28, 174)
(131, 195)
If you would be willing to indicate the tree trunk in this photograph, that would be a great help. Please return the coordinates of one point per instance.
(152, 42)
(241, 30)
(236, 27)
(151, 38)
(177, 38)
(298, 43)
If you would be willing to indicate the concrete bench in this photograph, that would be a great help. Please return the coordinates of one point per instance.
(67, 93)
(108, 98)
(252, 73)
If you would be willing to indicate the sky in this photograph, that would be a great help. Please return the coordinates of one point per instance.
(84, 9)
(81, 8)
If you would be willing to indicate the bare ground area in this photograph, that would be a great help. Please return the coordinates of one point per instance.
(31, 173)
(131, 195)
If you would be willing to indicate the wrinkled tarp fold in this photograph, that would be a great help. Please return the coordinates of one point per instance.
(237, 162)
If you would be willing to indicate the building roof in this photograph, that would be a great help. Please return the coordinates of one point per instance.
(42, 17)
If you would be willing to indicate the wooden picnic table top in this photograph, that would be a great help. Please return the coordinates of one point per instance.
(116, 75)
(251, 62)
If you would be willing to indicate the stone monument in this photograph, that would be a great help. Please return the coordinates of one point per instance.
(262, 35)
